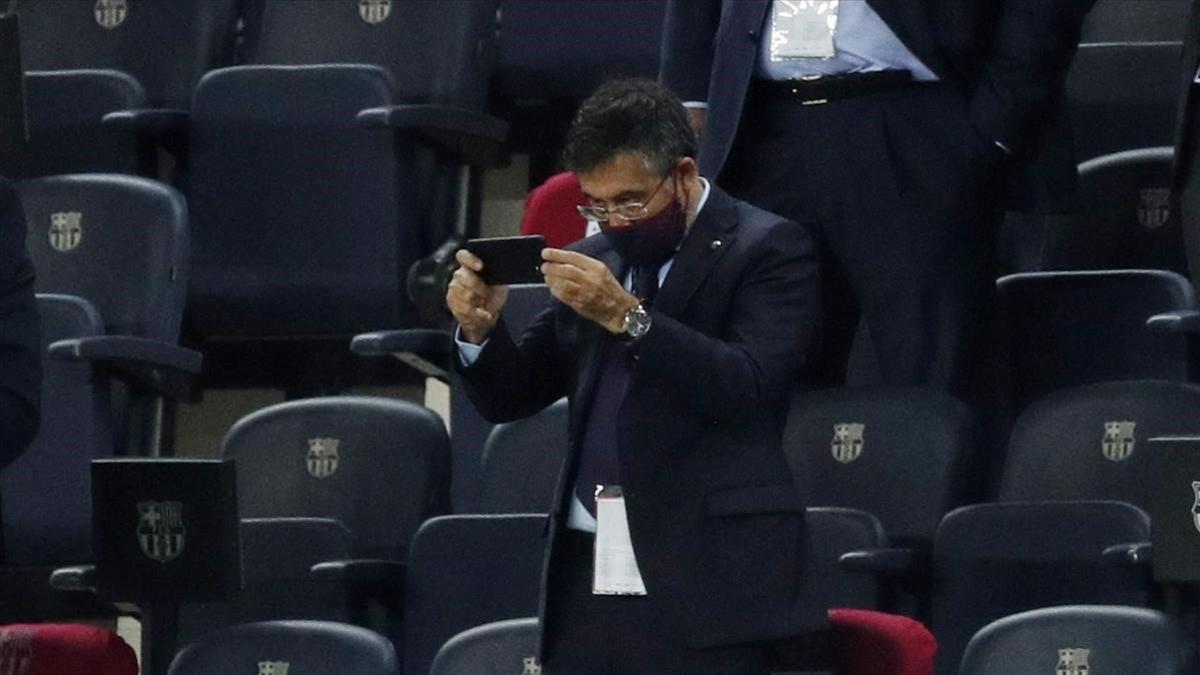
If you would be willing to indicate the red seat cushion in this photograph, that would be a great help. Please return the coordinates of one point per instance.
(55, 649)
(874, 643)
(550, 211)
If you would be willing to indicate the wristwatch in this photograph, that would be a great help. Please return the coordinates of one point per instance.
(635, 324)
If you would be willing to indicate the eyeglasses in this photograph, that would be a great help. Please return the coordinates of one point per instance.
(629, 211)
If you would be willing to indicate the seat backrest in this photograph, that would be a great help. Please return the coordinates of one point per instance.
(1127, 220)
(310, 647)
(65, 136)
(550, 211)
(1081, 639)
(497, 648)
(380, 466)
(166, 46)
(120, 242)
(277, 556)
(438, 52)
(75, 428)
(291, 198)
(1123, 21)
(992, 560)
(898, 453)
(1063, 329)
(51, 649)
(468, 570)
(1090, 442)
(833, 532)
(521, 463)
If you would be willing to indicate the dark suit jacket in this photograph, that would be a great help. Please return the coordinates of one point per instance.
(1187, 130)
(716, 522)
(1009, 57)
(20, 337)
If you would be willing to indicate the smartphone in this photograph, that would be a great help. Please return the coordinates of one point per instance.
(509, 260)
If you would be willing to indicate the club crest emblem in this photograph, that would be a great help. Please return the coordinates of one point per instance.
(848, 441)
(111, 13)
(160, 530)
(16, 651)
(1073, 662)
(374, 11)
(273, 667)
(66, 231)
(1118, 440)
(322, 460)
(1154, 207)
(532, 667)
(1196, 504)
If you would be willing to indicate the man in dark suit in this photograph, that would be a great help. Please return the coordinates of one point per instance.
(888, 123)
(20, 338)
(677, 395)
(1187, 141)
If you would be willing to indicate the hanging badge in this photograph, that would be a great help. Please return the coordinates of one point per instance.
(616, 569)
(803, 29)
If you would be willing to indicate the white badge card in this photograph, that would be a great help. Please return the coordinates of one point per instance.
(615, 567)
(803, 29)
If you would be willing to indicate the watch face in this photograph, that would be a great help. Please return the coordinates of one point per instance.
(637, 322)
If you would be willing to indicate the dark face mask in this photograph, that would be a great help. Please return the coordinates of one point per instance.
(651, 240)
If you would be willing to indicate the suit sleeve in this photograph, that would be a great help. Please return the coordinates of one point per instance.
(689, 31)
(1032, 47)
(20, 336)
(752, 365)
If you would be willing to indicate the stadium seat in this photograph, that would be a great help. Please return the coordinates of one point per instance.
(497, 648)
(898, 453)
(1091, 442)
(283, 647)
(1081, 640)
(521, 463)
(832, 533)
(992, 560)
(1122, 21)
(1062, 329)
(121, 243)
(54, 649)
(550, 211)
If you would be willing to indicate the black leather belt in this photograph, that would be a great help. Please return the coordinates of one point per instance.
(825, 88)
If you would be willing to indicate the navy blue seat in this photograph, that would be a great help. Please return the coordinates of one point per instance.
(1081, 639)
(1122, 21)
(521, 463)
(497, 648)
(1061, 329)
(992, 560)
(121, 243)
(1090, 442)
(833, 533)
(279, 647)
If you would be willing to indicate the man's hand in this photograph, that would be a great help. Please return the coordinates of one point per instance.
(587, 286)
(475, 305)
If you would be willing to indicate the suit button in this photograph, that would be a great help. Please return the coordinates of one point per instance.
(752, 34)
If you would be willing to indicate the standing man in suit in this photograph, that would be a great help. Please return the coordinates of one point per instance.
(20, 336)
(888, 123)
(675, 334)
(1187, 141)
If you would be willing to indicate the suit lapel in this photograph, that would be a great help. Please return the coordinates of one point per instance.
(709, 237)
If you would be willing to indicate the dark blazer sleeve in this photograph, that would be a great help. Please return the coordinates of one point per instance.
(1031, 49)
(689, 31)
(20, 337)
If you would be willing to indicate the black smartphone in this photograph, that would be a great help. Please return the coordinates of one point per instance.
(509, 260)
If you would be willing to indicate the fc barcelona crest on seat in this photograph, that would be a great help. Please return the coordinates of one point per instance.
(160, 530)
(374, 11)
(1118, 440)
(1073, 662)
(273, 667)
(322, 460)
(1196, 504)
(848, 441)
(111, 13)
(1154, 207)
(66, 231)
(532, 667)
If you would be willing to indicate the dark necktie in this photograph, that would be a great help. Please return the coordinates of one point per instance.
(598, 463)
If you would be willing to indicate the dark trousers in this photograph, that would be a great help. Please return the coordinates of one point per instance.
(590, 634)
(905, 199)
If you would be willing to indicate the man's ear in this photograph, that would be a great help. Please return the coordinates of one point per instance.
(687, 168)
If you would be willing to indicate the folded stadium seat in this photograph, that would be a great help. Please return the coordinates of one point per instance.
(54, 649)
(121, 243)
(521, 463)
(550, 211)
(553, 54)
(1081, 640)
(289, 647)
(1061, 329)
(348, 148)
(497, 648)
(992, 560)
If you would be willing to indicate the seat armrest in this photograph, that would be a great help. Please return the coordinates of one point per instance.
(78, 578)
(1186, 322)
(471, 135)
(1131, 554)
(377, 577)
(161, 367)
(420, 348)
(885, 561)
(167, 127)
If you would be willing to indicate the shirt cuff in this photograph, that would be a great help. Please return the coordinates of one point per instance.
(703, 105)
(468, 353)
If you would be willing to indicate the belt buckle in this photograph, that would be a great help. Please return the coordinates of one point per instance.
(810, 79)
